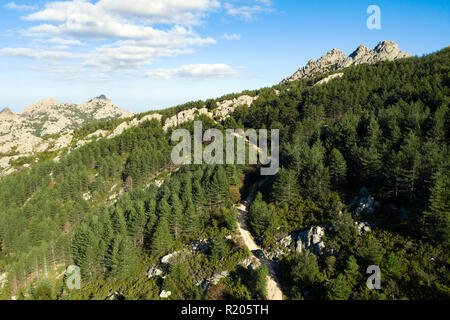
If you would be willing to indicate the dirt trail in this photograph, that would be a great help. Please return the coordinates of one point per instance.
(273, 287)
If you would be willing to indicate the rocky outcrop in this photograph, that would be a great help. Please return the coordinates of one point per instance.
(311, 239)
(185, 116)
(223, 111)
(23, 132)
(329, 78)
(154, 272)
(335, 59)
(200, 245)
(213, 280)
(227, 107)
(363, 227)
(168, 258)
(165, 294)
(3, 279)
(133, 123)
(326, 63)
(364, 203)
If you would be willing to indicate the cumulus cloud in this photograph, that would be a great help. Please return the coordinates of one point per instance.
(195, 71)
(121, 34)
(118, 35)
(184, 12)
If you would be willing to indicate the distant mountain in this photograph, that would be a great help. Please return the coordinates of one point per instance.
(335, 59)
(23, 132)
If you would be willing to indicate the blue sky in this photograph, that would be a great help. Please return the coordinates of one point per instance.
(158, 53)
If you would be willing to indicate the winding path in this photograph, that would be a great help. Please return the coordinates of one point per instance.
(273, 286)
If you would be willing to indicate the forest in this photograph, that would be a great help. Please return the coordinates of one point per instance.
(381, 131)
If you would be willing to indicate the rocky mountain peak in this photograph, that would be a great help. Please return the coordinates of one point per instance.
(360, 51)
(7, 115)
(335, 59)
(6, 111)
(24, 131)
(100, 97)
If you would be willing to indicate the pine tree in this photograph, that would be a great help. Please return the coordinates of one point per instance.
(219, 247)
(285, 188)
(338, 167)
(121, 257)
(352, 270)
(190, 221)
(304, 269)
(437, 217)
(176, 217)
(119, 221)
(371, 164)
(410, 173)
(260, 217)
(339, 289)
(162, 240)
(372, 252)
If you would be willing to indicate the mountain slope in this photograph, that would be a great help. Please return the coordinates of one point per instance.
(381, 131)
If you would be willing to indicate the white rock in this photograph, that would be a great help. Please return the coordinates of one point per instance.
(363, 227)
(3, 279)
(217, 276)
(97, 134)
(165, 294)
(168, 258)
(311, 239)
(154, 272)
(329, 78)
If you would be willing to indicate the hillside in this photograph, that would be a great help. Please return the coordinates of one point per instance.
(39, 126)
(364, 180)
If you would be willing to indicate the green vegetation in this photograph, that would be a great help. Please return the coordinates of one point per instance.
(382, 127)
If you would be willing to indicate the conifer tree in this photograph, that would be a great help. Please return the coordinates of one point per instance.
(437, 217)
(285, 188)
(162, 240)
(339, 289)
(338, 167)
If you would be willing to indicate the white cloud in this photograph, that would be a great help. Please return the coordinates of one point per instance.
(127, 28)
(196, 71)
(65, 42)
(15, 6)
(184, 12)
(233, 36)
(249, 10)
(119, 35)
(39, 54)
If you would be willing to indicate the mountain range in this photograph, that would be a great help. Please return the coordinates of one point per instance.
(47, 124)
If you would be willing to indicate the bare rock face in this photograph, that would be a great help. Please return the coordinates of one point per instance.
(154, 272)
(311, 239)
(335, 59)
(328, 62)
(165, 294)
(23, 131)
(329, 78)
(227, 107)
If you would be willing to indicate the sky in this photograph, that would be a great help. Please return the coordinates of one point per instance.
(154, 54)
